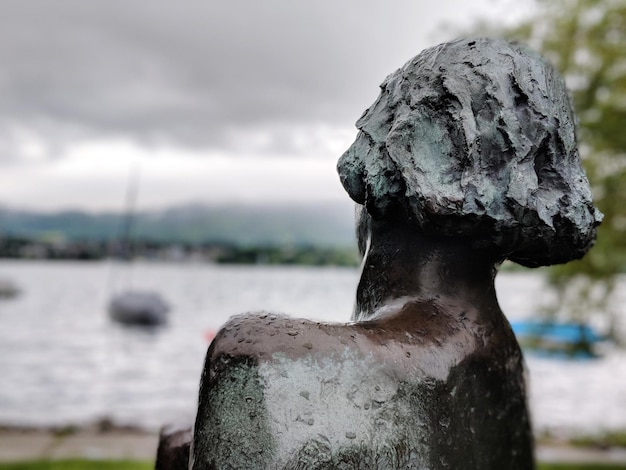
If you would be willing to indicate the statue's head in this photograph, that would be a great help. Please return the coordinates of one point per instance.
(476, 139)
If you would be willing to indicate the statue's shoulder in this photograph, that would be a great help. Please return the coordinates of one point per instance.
(263, 336)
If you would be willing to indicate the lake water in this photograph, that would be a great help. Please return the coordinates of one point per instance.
(63, 361)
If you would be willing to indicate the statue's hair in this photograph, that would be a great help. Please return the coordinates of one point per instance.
(476, 138)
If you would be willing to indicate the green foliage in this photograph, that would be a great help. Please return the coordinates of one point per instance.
(77, 464)
(604, 440)
(581, 466)
(586, 41)
(128, 465)
(307, 256)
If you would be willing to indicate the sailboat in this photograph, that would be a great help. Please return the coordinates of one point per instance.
(131, 306)
(142, 308)
(8, 289)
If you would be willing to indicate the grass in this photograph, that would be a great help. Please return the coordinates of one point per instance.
(582, 466)
(137, 465)
(78, 464)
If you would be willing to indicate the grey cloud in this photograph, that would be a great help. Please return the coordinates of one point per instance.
(196, 73)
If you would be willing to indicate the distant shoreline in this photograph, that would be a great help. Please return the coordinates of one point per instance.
(103, 426)
(207, 252)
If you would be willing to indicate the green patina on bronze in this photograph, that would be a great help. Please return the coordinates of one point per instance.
(476, 138)
(232, 430)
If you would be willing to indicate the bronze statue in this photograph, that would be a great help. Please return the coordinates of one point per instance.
(467, 158)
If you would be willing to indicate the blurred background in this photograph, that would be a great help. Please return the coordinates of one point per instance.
(165, 165)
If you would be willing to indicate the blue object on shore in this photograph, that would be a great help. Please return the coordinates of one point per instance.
(557, 339)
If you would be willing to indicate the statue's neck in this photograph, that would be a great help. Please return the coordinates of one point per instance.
(400, 264)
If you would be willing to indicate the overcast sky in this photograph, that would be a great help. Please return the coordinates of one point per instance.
(238, 100)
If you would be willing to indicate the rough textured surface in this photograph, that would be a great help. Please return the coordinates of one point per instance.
(232, 428)
(173, 451)
(476, 138)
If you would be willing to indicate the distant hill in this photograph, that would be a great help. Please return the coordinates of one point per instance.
(321, 224)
